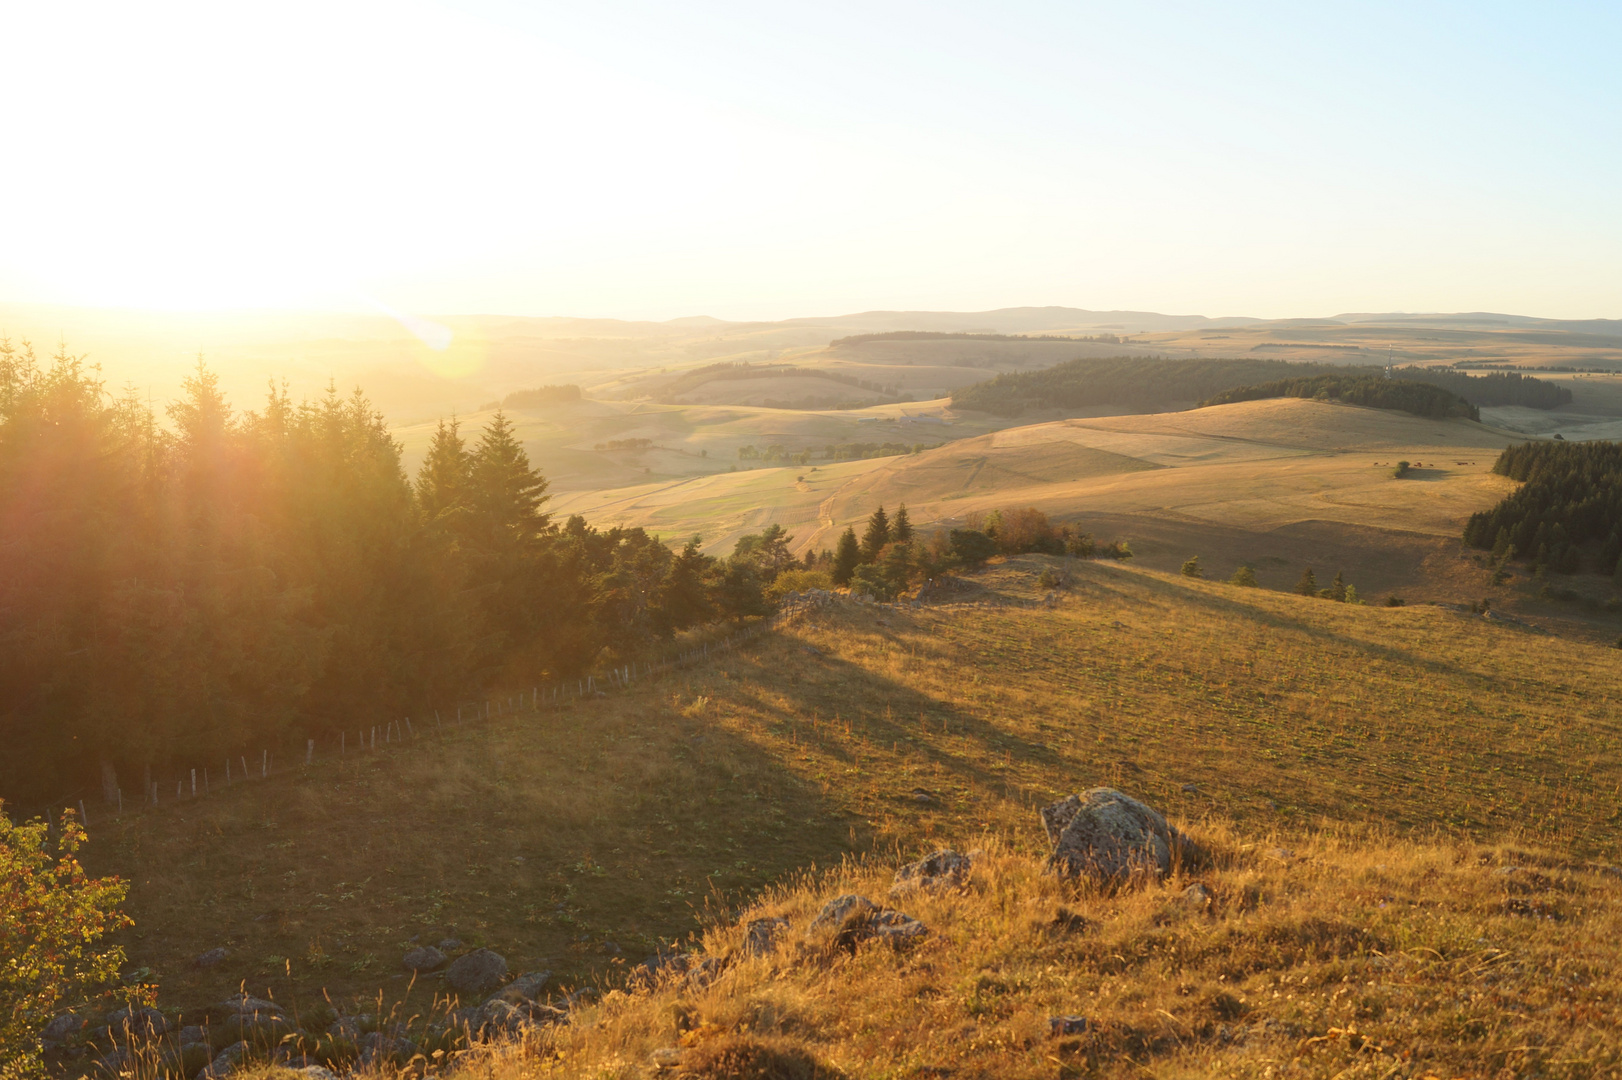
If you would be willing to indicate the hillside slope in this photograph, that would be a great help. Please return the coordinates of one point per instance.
(578, 840)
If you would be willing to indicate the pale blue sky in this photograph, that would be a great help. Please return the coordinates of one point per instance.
(762, 161)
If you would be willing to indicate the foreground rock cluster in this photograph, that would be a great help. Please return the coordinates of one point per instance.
(1099, 835)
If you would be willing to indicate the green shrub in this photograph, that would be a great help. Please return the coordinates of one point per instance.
(1244, 576)
(1191, 568)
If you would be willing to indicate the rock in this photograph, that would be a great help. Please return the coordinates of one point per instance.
(318, 1072)
(850, 919)
(226, 1060)
(380, 1049)
(1067, 1025)
(450, 945)
(666, 1057)
(209, 959)
(497, 1018)
(254, 1029)
(113, 1063)
(191, 1033)
(942, 870)
(64, 1027)
(1105, 835)
(1191, 789)
(477, 972)
(138, 1020)
(243, 1004)
(526, 987)
(923, 796)
(760, 936)
(423, 958)
(1196, 895)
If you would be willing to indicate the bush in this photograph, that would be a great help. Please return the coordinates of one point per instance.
(51, 916)
(1394, 601)
(972, 546)
(795, 581)
(1402, 470)
(1245, 577)
(871, 579)
(1191, 568)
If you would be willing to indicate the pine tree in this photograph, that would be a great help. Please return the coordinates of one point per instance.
(876, 536)
(1308, 585)
(1337, 588)
(1245, 577)
(847, 554)
(506, 493)
(901, 527)
(1191, 568)
(445, 478)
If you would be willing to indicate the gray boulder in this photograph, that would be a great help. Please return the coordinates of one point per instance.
(64, 1027)
(527, 987)
(943, 869)
(760, 936)
(450, 945)
(379, 1048)
(423, 958)
(478, 972)
(192, 1033)
(210, 959)
(497, 1018)
(846, 921)
(318, 1072)
(1107, 836)
(139, 1020)
(225, 1061)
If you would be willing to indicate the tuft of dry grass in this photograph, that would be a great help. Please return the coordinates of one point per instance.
(1336, 958)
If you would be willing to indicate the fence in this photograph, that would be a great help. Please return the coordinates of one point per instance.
(194, 782)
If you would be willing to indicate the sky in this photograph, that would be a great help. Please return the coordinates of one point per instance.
(750, 160)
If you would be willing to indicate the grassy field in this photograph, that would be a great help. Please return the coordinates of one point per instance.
(579, 840)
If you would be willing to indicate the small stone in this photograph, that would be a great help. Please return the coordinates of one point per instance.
(423, 958)
(1191, 789)
(924, 796)
(380, 1049)
(1196, 895)
(666, 1057)
(943, 869)
(191, 1033)
(449, 945)
(1067, 1025)
(210, 959)
(477, 972)
(318, 1072)
(760, 936)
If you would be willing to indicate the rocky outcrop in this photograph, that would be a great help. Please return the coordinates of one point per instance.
(1107, 836)
(846, 921)
(477, 972)
(944, 869)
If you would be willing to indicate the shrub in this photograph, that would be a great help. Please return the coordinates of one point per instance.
(972, 546)
(1191, 568)
(795, 581)
(51, 916)
(1115, 549)
(871, 579)
(1402, 470)
(1394, 601)
(1244, 576)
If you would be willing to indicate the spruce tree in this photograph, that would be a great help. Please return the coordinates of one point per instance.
(877, 535)
(506, 493)
(901, 527)
(847, 554)
(1308, 585)
(445, 478)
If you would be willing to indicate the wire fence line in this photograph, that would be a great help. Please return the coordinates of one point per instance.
(247, 766)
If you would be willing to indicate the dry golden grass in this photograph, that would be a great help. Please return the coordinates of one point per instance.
(1338, 958)
(560, 838)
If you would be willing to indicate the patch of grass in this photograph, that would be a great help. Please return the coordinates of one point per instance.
(693, 793)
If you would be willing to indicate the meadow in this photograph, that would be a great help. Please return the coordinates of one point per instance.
(579, 840)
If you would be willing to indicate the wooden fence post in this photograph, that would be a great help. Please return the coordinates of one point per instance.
(309, 751)
(194, 783)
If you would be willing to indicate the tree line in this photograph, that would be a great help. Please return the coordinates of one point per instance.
(1162, 383)
(1373, 391)
(180, 591)
(1566, 514)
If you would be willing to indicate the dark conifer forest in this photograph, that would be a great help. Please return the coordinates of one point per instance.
(1567, 512)
(1404, 395)
(186, 586)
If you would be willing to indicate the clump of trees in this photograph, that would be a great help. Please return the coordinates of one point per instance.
(889, 556)
(1405, 395)
(1133, 381)
(1567, 512)
(182, 591)
(625, 444)
(541, 397)
(1338, 590)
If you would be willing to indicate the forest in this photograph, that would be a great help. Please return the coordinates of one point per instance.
(944, 335)
(1161, 383)
(1135, 381)
(185, 586)
(1373, 391)
(1568, 509)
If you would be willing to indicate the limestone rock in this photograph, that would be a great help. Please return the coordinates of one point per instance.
(944, 869)
(381, 1049)
(64, 1027)
(1067, 1025)
(450, 945)
(423, 958)
(478, 972)
(760, 936)
(191, 1033)
(225, 1061)
(846, 921)
(210, 958)
(498, 1017)
(1107, 836)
